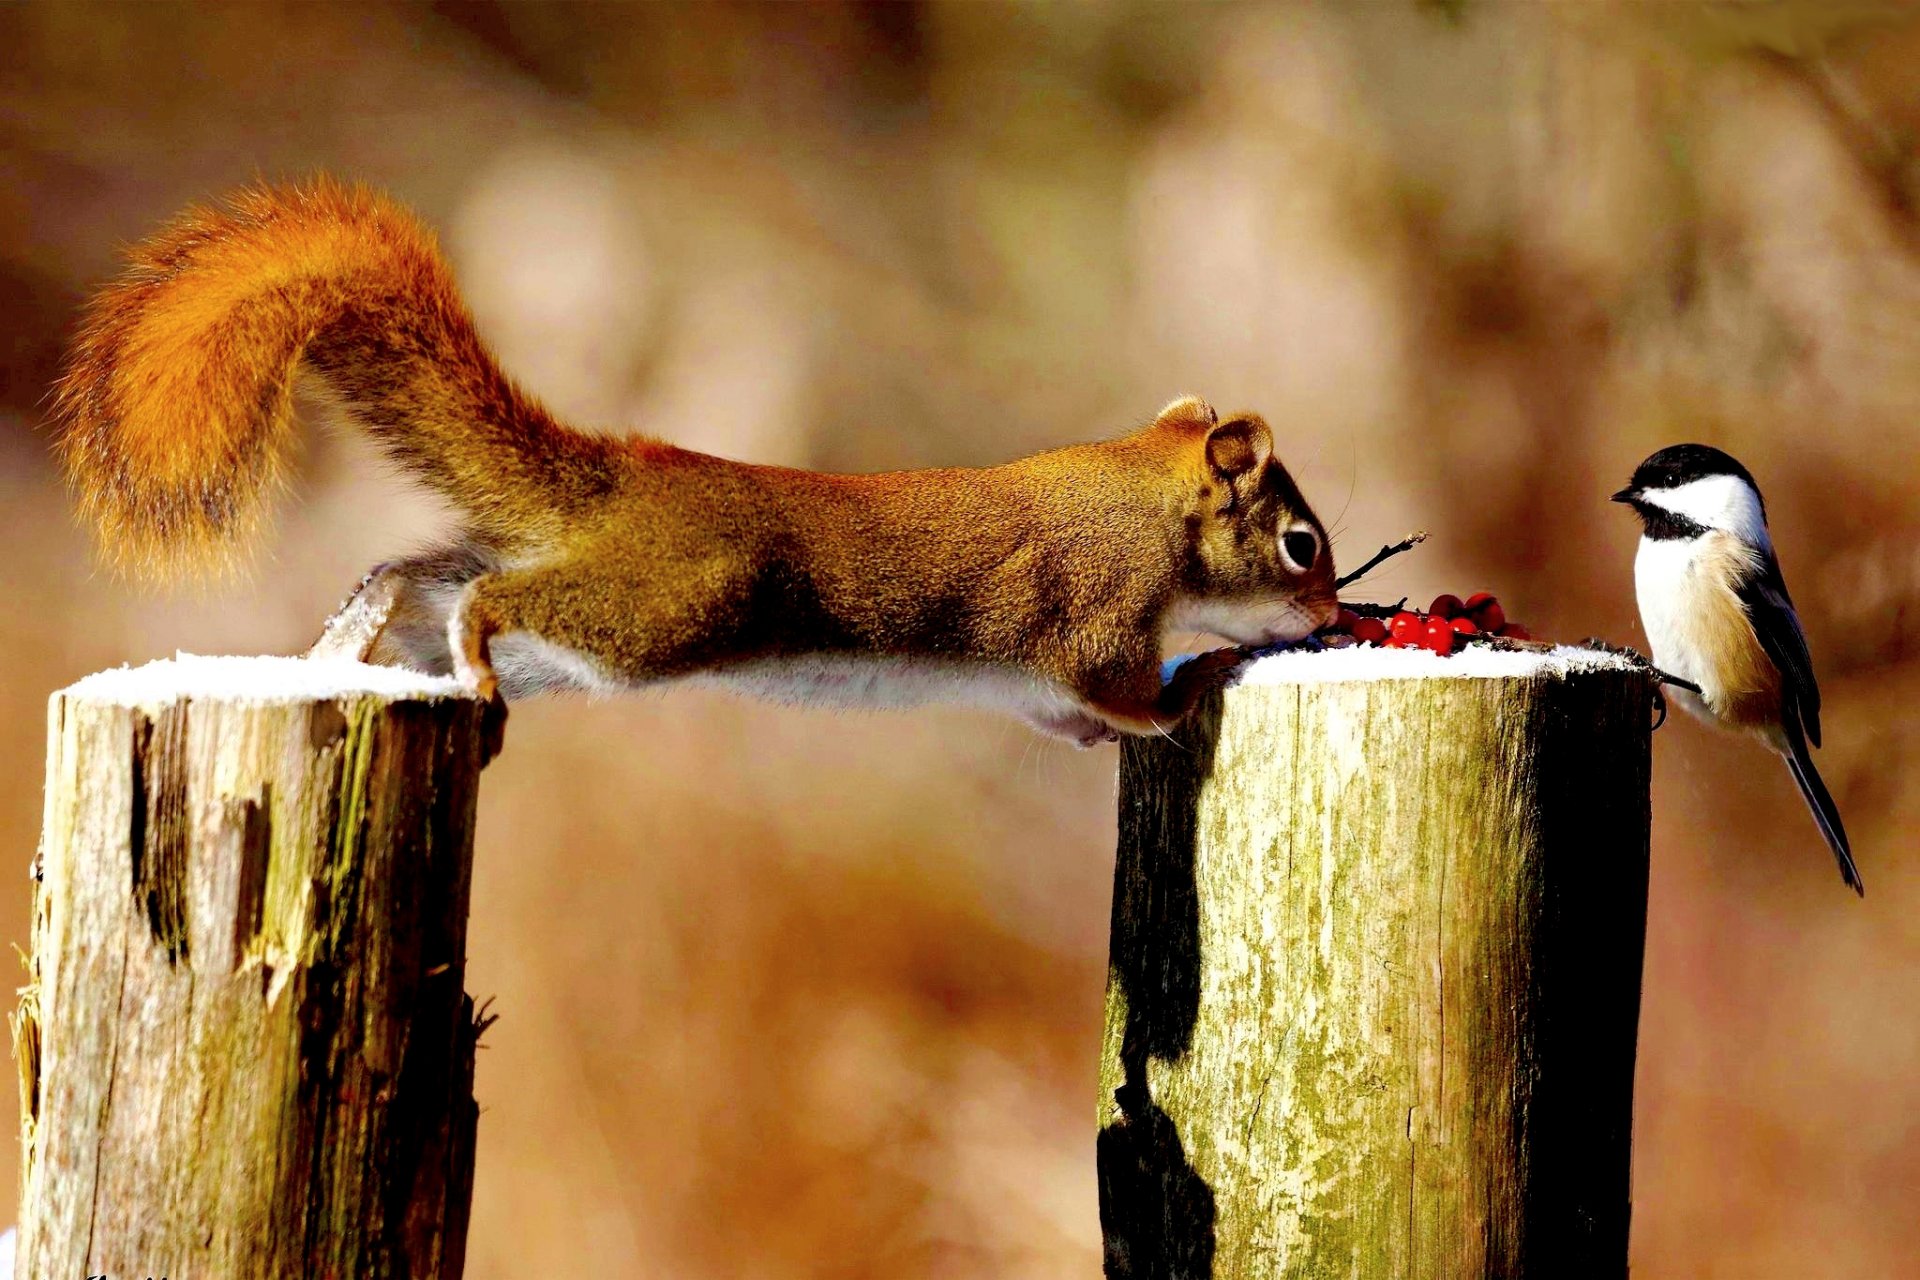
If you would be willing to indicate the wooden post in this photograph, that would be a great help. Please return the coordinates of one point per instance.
(1375, 975)
(245, 1048)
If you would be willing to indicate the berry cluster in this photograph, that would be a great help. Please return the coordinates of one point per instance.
(1439, 629)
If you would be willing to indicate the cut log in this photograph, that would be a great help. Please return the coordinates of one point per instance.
(1377, 932)
(246, 1049)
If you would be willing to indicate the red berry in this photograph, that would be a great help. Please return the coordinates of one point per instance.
(1439, 636)
(1514, 631)
(1465, 626)
(1393, 644)
(1406, 627)
(1445, 606)
(1490, 616)
(1371, 630)
(1345, 621)
(1479, 598)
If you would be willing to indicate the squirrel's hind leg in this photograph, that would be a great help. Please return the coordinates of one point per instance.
(503, 612)
(570, 624)
(398, 615)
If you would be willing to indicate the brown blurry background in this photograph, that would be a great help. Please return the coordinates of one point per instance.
(805, 994)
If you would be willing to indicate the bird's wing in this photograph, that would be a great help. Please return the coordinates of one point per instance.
(1764, 593)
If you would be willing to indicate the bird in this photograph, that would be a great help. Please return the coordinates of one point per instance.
(1717, 614)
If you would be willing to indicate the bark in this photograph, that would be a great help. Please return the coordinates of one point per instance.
(1375, 982)
(246, 1048)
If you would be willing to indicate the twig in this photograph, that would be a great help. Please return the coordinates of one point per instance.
(1385, 553)
(1382, 611)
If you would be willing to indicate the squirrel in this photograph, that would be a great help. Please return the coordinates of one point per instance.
(589, 561)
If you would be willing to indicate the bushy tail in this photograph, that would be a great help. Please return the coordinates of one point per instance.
(175, 408)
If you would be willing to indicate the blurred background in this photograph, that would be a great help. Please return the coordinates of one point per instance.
(809, 994)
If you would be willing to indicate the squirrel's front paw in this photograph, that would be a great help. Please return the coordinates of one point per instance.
(1080, 729)
(1214, 668)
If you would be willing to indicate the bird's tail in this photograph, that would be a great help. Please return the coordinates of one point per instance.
(1825, 812)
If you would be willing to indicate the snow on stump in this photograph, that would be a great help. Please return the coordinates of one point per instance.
(246, 1048)
(1375, 976)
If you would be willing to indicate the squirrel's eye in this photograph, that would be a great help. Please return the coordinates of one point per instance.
(1301, 548)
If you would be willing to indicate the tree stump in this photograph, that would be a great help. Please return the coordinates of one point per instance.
(1377, 932)
(246, 1049)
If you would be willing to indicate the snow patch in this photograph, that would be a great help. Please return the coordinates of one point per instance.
(257, 679)
(1475, 662)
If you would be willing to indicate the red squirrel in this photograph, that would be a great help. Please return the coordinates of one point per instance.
(1041, 587)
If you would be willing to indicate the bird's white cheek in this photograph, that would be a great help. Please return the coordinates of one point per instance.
(1719, 502)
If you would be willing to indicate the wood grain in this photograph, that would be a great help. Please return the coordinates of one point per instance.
(246, 1049)
(1375, 982)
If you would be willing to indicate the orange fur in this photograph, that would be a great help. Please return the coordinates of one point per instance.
(1744, 690)
(1041, 586)
(175, 409)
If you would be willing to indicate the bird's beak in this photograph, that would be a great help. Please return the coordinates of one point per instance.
(1627, 494)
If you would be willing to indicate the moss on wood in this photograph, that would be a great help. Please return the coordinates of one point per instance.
(246, 1048)
(1375, 982)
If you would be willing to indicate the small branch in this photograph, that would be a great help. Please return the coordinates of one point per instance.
(1381, 611)
(1385, 553)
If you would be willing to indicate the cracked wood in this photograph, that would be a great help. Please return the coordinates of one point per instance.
(1375, 982)
(246, 1048)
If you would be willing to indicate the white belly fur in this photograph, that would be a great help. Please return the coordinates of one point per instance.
(528, 665)
(835, 680)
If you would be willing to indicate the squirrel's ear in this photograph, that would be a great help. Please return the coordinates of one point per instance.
(1239, 446)
(1191, 410)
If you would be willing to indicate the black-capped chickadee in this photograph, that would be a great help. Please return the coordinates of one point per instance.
(1717, 613)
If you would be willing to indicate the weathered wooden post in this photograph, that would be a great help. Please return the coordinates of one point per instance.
(246, 1049)
(1375, 977)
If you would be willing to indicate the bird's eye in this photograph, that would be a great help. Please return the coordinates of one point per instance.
(1301, 547)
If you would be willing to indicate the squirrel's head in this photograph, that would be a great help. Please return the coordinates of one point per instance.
(1258, 568)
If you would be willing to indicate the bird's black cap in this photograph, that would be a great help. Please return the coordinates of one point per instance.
(1679, 464)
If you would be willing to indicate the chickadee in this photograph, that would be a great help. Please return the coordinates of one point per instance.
(1717, 613)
